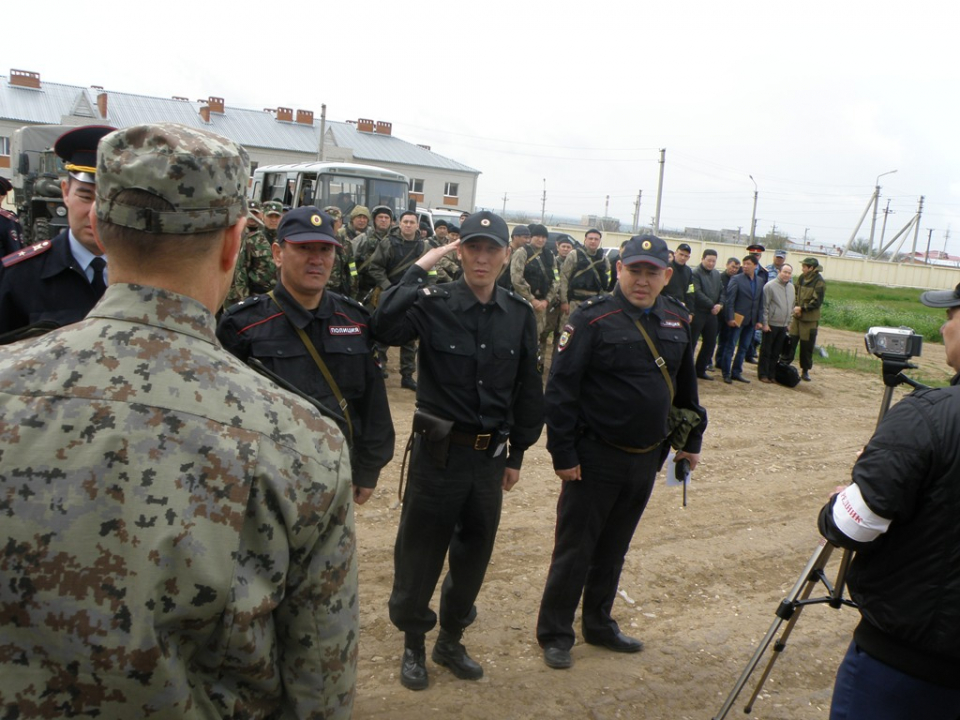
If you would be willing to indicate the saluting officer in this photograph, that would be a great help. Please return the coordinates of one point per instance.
(480, 406)
(58, 281)
(606, 403)
(318, 341)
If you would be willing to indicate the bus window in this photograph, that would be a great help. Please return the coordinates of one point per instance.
(274, 185)
(344, 192)
(390, 193)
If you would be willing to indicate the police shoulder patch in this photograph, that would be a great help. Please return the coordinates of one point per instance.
(565, 337)
(26, 253)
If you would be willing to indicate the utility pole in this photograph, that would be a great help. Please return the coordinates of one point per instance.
(606, 214)
(656, 218)
(504, 205)
(883, 228)
(946, 236)
(753, 219)
(543, 206)
(323, 132)
(926, 256)
(916, 232)
(876, 200)
(636, 212)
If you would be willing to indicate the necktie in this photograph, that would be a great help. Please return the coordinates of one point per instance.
(98, 284)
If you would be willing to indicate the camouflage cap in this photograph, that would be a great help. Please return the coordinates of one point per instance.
(334, 212)
(202, 175)
(273, 207)
(360, 210)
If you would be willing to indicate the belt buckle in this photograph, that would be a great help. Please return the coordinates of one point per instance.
(482, 442)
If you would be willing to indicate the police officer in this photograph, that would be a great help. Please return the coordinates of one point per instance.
(480, 406)
(192, 520)
(606, 403)
(11, 233)
(58, 281)
(300, 314)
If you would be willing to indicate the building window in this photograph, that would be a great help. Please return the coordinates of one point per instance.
(416, 185)
(451, 189)
(4, 145)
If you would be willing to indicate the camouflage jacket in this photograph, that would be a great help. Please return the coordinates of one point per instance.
(179, 537)
(256, 272)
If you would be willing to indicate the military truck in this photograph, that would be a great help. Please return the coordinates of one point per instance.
(36, 181)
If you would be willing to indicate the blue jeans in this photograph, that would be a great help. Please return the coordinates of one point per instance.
(867, 689)
(738, 338)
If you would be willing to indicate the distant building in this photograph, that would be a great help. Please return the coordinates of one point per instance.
(271, 136)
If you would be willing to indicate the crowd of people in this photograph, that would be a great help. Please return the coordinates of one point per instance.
(189, 428)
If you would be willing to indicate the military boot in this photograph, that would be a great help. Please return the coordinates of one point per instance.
(450, 653)
(413, 667)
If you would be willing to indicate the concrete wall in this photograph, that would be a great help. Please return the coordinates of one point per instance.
(925, 277)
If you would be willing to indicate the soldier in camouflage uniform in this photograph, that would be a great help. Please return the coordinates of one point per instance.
(343, 275)
(448, 267)
(179, 537)
(256, 272)
(359, 220)
(533, 278)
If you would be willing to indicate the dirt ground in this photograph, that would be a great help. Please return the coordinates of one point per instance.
(699, 587)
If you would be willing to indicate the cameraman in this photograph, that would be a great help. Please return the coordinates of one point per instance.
(900, 515)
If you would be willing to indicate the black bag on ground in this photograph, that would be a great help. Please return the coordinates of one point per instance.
(786, 374)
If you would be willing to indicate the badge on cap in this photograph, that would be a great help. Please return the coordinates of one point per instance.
(646, 245)
(316, 220)
(485, 222)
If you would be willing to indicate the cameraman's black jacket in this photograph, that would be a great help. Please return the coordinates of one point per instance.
(907, 581)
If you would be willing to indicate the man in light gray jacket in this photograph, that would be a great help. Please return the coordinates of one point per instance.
(778, 300)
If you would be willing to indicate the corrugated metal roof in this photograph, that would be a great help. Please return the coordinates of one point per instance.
(387, 148)
(252, 128)
(46, 105)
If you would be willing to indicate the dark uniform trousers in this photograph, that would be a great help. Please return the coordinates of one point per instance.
(596, 519)
(704, 327)
(457, 507)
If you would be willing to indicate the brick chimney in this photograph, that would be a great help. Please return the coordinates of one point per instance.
(425, 147)
(102, 104)
(180, 98)
(305, 117)
(216, 104)
(365, 125)
(285, 114)
(384, 128)
(25, 78)
(205, 113)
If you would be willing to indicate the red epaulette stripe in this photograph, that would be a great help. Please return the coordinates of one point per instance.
(27, 253)
(681, 318)
(612, 312)
(260, 322)
(354, 322)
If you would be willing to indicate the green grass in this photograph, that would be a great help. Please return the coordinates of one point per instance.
(858, 307)
(867, 363)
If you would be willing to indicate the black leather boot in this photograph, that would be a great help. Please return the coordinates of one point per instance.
(413, 667)
(450, 653)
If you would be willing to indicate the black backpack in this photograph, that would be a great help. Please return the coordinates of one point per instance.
(787, 374)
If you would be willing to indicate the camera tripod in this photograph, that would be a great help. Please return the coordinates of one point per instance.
(814, 574)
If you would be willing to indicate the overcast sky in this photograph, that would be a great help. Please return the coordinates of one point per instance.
(814, 100)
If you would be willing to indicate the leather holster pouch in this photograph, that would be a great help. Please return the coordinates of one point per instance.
(435, 433)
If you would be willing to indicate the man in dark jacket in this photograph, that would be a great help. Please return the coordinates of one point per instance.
(900, 515)
(680, 286)
(707, 304)
(743, 312)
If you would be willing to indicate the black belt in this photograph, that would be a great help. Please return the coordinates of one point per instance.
(476, 441)
(625, 448)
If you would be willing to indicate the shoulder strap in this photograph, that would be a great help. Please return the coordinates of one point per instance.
(323, 368)
(661, 363)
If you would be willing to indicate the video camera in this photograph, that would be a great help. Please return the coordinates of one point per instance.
(889, 343)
